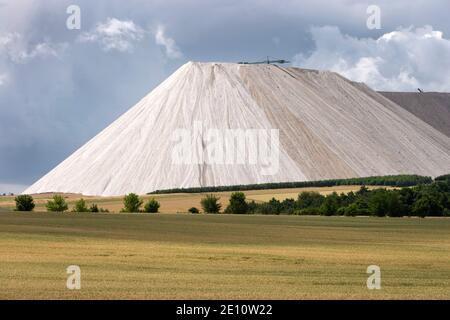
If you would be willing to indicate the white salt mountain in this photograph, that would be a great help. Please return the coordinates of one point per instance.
(329, 127)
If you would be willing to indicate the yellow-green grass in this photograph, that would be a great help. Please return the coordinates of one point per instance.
(178, 203)
(170, 256)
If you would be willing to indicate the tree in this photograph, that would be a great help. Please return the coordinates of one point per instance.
(395, 208)
(80, 206)
(363, 190)
(309, 200)
(24, 203)
(237, 205)
(132, 203)
(427, 206)
(152, 206)
(446, 212)
(384, 202)
(378, 202)
(407, 198)
(58, 204)
(210, 204)
(288, 206)
(193, 210)
(275, 206)
(94, 208)
(351, 210)
(331, 205)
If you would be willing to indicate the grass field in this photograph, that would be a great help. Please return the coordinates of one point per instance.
(178, 203)
(170, 256)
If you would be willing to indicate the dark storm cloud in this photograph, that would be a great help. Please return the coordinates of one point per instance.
(57, 91)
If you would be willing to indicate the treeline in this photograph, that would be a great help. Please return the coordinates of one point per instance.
(389, 181)
(422, 201)
(132, 203)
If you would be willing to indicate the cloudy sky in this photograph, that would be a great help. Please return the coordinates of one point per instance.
(59, 87)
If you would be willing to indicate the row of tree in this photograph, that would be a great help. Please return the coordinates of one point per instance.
(422, 201)
(389, 181)
(132, 203)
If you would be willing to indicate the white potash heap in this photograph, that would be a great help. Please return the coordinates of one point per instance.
(328, 126)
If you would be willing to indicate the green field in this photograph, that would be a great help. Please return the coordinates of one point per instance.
(169, 256)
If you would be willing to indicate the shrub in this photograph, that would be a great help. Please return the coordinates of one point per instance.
(426, 206)
(237, 205)
(193, 210)
(80, 206)
(331, 205)
(383, 202)
(210, 204)
(152, 206)
(443, 178)
(309, 200)
(265, 208)
(24, 203)
(252, 207)
(288, 206)
(446, 212)
(275, 206)
(132, 203)
(94, 208)
(58, 204)
(351, 210)
(363, 190)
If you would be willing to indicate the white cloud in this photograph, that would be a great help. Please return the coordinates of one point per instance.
(402, 60)
(18, 50)
(171, 49)
(114, 34)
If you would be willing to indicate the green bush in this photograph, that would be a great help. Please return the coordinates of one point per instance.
(152, 206)
(80, 206)
(378, 202)
(446, 212)
(351, 210)
(426, 206)
(58, 204)
(443, 178)
(237, 205)
(330, 205)
(310, 200)
(193, 210)
(24, 202)
(210, 204)
(132, 203)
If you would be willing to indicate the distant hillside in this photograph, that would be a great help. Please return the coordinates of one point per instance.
(431, 107)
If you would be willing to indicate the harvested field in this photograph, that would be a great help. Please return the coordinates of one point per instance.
(126, 256)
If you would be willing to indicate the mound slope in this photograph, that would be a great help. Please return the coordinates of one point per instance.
(328, 128)
(431, 107)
